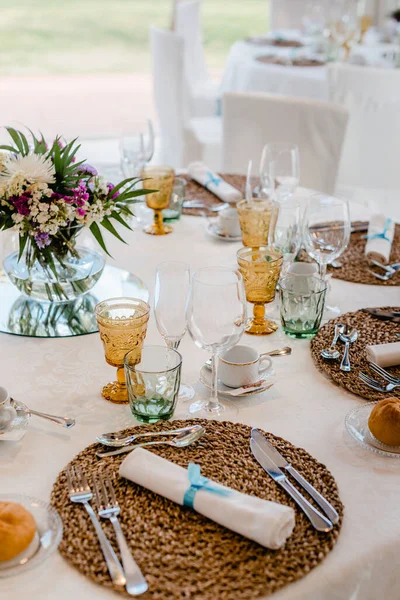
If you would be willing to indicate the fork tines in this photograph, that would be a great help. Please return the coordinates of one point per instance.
(104, 491)
(76, 479)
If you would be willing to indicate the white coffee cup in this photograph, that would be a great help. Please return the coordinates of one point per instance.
(7, 412)
(228, 222)
(242, 365)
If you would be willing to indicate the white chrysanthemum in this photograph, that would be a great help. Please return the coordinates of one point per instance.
(34, 168)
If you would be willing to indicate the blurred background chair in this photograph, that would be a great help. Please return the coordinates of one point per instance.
(202, 90)
(369, 168)
(252, 120)
(182, 139)
(286, 14)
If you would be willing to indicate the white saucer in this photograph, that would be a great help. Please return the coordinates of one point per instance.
(212, 229)
(18, 426)
(205, 378)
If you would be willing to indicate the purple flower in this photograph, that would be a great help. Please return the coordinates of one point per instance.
(111, 186)
(21, 204)
(80, 195)
(88, 169)
(42, 239)
(81, 212)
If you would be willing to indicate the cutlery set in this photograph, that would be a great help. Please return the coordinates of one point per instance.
(388, 270)
(390, 382)
(346, 335)
(383, 314)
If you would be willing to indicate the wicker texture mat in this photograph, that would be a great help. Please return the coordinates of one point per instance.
(278, 43)
(355, 264)
(370, 331)
(195, 191)
(184, 555)
(289, 61)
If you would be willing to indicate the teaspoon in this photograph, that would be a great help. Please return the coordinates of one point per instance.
(63, 421)
(348, 338)
(332, 353)
(116, 439)
(278, 352)
(180, 441)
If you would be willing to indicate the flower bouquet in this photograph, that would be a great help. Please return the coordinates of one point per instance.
(49, 199)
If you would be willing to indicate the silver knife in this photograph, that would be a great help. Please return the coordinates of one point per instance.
(318, 520)
(281, 462)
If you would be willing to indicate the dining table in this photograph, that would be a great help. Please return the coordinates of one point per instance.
(65, 376)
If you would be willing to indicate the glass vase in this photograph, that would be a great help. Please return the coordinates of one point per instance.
(68, 271)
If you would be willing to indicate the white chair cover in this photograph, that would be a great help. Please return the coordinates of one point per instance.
(202, 90)
(182, 140)
(286, 14)
(252, 120)
(371, 151)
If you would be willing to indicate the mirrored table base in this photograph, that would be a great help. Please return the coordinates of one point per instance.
(20, 315)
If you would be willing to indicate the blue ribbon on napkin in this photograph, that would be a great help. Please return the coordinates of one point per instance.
(383, 235)
(198, 482)
(212, 179)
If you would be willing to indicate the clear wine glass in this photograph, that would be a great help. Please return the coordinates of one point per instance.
(287, 234)
(280, 170)
(216, 318)
(326, 231)
(170, 301)
(137, 151)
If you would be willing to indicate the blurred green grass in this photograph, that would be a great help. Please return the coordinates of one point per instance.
(39, 37)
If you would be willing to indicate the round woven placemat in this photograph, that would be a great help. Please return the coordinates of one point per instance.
(290, 62)
(278, 43)
(370, 331)
(355, 266)
(183, 554)
(195, 191)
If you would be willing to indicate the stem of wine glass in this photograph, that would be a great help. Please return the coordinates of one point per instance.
(259, 313)
(158, 220)
(322, 271)
(172, 344)
(213, 403)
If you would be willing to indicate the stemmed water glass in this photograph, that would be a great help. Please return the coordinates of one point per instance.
(170, 302)
(287, 233)
(326, 231)
(136, 151)
(216, 316)
(280, 170)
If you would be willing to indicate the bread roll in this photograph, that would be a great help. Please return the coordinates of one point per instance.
(17, 530)
(384, 421)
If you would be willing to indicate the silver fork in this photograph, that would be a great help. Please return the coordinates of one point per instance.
(80, 492)
(108, 508)
(375, 385)
(384, 374)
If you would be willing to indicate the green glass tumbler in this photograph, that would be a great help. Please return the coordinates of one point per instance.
(302, 299)
(153, 383)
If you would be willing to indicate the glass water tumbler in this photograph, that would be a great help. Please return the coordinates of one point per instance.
(302, 304)
(153, 383)
(257, 221)
(174, 210)
(122, 325)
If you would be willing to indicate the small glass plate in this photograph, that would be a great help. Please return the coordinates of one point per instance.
(356, 423)
(18, 426)
(49, 533)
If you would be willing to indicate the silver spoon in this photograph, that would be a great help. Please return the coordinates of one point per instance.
(117, 440)
(63, 421)
(278, 352)
(332, 353)
(180, 441)
(348, 338)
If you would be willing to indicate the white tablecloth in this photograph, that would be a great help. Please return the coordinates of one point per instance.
(65, 376)
(243, 73)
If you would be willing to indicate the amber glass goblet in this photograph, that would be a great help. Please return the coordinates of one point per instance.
(257, 221)
(161, 179)
(260, 269)
(122, 325)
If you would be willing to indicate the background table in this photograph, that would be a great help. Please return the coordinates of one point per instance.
(66, 376)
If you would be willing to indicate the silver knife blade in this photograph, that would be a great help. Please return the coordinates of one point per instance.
(318, 520)
(281, 462)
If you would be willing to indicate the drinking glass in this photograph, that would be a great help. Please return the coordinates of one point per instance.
(260, 269)
(161, 179)
(153, 382)
(174, 210)
(216, 318)
(257, 221)
(287, 234)
(170, 301)
(122, 325)
(280, 170)
(302, 304)
(326, 231)
(132, 154)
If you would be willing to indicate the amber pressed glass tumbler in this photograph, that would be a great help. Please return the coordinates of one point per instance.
(257, 221)
(161, 179)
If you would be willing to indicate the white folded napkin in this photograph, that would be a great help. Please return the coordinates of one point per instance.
(379, 238)
(265, 522)
(384, 355)
(214, 183)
